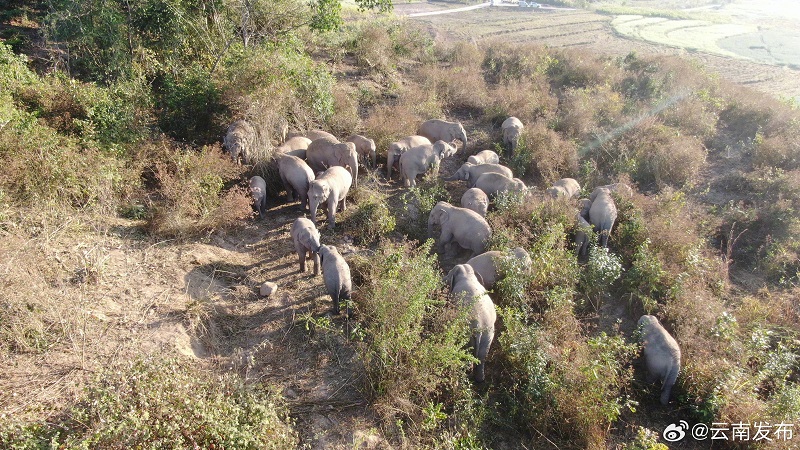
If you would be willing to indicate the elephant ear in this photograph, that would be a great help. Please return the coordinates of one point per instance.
(448, 280)
(479, 277)
(444, 216)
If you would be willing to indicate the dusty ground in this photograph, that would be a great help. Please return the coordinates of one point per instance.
(595, 32)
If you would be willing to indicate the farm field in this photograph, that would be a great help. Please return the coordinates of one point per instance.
(756, 46)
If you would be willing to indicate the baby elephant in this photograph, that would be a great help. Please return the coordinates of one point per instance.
(296, 177)
(602, 215)
(466, 288)
(662, 354)
(306, 241)
(258, 190)
(484, 157)
(336, 274)
(332, 187)
(486, 264)
(476, 200)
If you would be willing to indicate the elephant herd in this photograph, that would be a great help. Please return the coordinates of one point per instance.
(316, 168)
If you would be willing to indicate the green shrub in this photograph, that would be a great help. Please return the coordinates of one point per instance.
(646, 439)
(601, 270)
(163, 405)
(413, 340)
(371, 219)
(418, 202)
(188, 103)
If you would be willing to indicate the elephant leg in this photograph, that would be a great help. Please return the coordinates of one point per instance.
(301, 255)
(335, 297)
(303, 200)
(332, 202)
(288, 187)
(444, 239)
(315, 258)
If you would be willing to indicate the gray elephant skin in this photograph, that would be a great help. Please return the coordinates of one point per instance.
(602, 215)
(470, 172)
(582, 226)
(306, 242)
(397, 148)
(662, 355)
(240, 141)
(295, 146)
(494, 183)
(484, 157)
(620, 188)
(327, 152)
(296, 176)
(466, 288)
(365, 147)
(565, 187)
(459, 226)
(313, 135)
(486, 264)
(476, 200)
(336, 274)
(442, 130)
(418, 160)
(512, 129)
(331, 187)
(258, 191)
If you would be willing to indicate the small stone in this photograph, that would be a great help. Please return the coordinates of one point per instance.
(268, 288)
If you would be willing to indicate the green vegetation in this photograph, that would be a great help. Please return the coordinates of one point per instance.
(128, 127)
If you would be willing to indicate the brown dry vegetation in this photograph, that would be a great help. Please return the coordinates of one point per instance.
(111, 259)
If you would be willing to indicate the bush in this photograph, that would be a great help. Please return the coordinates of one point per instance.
(413, 340)
(163, 404)
(417, 205)
(371, 219)
(544, 154)
(192, 199)
(589, 112)
(662, 156)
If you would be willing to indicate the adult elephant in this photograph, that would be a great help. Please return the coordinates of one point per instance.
(512, 128)
(459, 226)
(442, 130)
(602, 215)
(470, 172)
(662, 355)
(326, 152)
(466, 288)
(330, 187)
(365, 148)
(494, 183)
(419, 160)
(397, 148)
(490, 265)
(295, 146)
(240, 141)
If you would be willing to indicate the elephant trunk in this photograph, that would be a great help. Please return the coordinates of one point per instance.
(452, 177)
(374, 156)
(312, 206)
(354, 170)
(389, 163)
(464, 139)
(431, 222)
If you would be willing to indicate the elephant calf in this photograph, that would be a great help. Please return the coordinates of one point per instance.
(296, 177)
(306, 241)
(484, 157)
(365, 147)
(336, 274)
(486, 264)
(661, 353)
(476, 200)
(459, 226)
(329, 152)
(470, 172)
(466, 287)
(602, 215)
(396, 150)
(332, 187)
(494, 183)
(258, 191)
(565, 187)
(512, 129)
(418, 160)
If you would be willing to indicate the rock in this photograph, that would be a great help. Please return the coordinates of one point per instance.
(268, 288)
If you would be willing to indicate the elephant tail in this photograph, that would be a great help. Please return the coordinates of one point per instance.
(669, 381)
(483, 340)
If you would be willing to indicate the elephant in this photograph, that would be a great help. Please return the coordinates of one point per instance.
(565, 187)
(602, 215)
(470, 172)
(620, 188)
(313, 135)
(258, 190)
(306, 241)
(365, 148)
(396, 149)
(466, 287)
(240, 141)
(485, 264)
(460, 226)
(332, 187)
(662, 354)
(512, 128)
(494, 183)
(582, 225)
(295, 146)
(336, 274)
(296, 176)
(484, 157)
(476, 200)
(418, 160)
(327, 152)
(441, 130)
